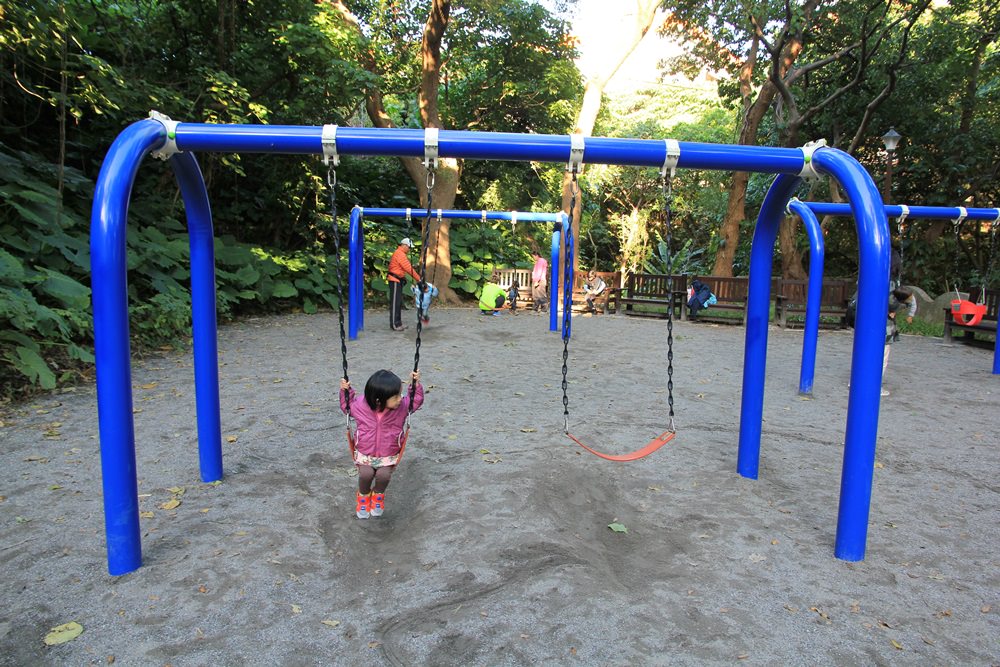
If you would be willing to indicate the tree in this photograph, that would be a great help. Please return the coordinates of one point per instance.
(497, 55)
(645, 12)
(831, 55)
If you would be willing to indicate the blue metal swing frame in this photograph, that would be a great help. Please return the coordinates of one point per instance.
(179, 141)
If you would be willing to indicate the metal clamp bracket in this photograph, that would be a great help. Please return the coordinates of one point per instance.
(808, 171)
(330, 146)
(407, 213)
(788, 206)
(431, 148)
(904, 212)
(670, 158)
(963, 213)
(170, 147)
(439, 215)
(576, 148)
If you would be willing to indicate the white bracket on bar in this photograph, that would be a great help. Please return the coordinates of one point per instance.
(808, 171)
(670, 158)
(576, 148)
(330, 146)
(963, 213)
(904, 212)
(431, 148)
(407, 213)
(439, 215)
(170, 147)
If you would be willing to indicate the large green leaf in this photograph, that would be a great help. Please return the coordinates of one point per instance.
(283, 289)
(29, 363)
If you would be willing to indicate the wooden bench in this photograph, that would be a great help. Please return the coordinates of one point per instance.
(607, 301)
(987, 325)
(790, 303)
(731, 297)
(650, 292)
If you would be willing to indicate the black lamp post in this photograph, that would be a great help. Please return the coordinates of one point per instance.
(890, 139)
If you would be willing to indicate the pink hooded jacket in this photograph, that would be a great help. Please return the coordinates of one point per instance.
(378, 432)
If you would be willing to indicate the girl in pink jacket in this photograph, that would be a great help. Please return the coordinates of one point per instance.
(380, 415)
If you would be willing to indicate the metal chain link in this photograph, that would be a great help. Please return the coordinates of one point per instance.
(568, 298)
(668, 196)
(422, 284)
(331, 182)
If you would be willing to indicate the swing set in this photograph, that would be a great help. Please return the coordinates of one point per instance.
(177, 143)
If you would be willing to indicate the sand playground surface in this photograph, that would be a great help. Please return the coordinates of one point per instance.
(495, 548)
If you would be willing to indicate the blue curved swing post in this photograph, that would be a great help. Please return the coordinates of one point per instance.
(108, 227)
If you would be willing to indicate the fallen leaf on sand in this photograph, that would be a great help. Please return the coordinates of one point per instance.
(330, 622)
(896, 645)
(230, 438)
(985, 609)
(296, 609)
(146, 515)
(618, 527)
(927, 641)
(173, 503)
(528, 430)
(176, 490)
(63, 633)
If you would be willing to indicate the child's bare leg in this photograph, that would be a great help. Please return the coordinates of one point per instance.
(365, 476)
(382, 477)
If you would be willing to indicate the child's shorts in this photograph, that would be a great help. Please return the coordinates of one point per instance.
(375, 461)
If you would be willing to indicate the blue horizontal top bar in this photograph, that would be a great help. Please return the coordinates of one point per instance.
(895, 211)
(483, 145)
(520, 216)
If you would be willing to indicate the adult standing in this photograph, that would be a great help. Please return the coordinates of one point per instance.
(539, 283)
(399, 268)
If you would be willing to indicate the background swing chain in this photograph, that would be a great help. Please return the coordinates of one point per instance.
(331, 183)
(668, 197)
(422, 284)
(568, 297)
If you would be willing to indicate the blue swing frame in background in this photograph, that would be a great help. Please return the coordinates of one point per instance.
(178, 141)
(356, 236)
(808, 212)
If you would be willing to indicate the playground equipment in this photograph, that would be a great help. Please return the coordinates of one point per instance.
(356, 303)
(177, 142)
(960, 307)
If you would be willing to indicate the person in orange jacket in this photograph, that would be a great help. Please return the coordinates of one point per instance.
(399, 268)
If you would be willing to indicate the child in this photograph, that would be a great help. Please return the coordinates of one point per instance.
(424, 302)
(593, 288)
(899, 299)
(380, 415)
(512, 295)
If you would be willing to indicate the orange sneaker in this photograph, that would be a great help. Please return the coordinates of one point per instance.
(377, 504)
(362, 510)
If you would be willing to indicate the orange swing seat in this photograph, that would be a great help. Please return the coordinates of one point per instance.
(642, 452)
(962, 309)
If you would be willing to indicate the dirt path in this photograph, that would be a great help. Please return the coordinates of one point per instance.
(495, 547)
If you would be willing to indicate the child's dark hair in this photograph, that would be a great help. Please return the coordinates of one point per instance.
(901, 293)
(382, 386)
(514, 284)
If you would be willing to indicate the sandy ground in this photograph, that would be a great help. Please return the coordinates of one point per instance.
(495, 548)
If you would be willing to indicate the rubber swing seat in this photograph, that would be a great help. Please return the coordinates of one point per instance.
(648, 449)
(962, 309)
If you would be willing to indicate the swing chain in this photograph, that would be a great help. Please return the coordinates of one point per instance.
(422, 283)
(331, 180)
(568, 295)
(668, 197)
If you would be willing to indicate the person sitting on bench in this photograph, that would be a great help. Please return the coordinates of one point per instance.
(593, 288)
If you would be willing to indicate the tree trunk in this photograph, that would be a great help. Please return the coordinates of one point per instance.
(736, 205)
(449, 171)
(591, 106)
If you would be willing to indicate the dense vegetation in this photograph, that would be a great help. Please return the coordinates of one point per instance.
(75, 72)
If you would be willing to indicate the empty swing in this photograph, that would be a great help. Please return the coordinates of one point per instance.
(964, 311)
(669, 166)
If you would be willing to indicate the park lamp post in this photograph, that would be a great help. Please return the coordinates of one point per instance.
(890, 139)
